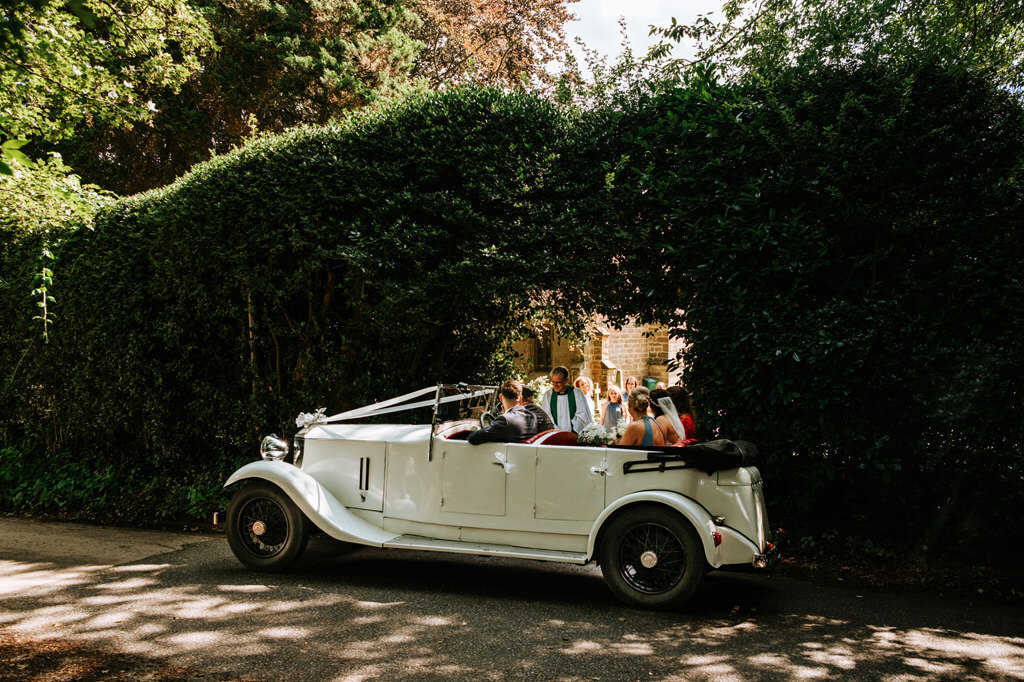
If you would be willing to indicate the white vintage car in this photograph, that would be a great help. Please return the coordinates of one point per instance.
(655, 519)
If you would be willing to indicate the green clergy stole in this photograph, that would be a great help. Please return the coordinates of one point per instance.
(572, 406)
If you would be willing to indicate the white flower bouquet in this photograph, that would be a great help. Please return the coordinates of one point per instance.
(594, 434)
(620, 428)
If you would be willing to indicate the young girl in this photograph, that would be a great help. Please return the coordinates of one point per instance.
(627, 388)
(612, 409)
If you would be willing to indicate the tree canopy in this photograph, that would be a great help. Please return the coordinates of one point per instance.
(286, 63)
(489, 43)
(58, 72)
(762, 39)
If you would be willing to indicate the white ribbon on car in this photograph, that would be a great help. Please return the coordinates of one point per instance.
(505, 464)
(669, 408)
(384, 407)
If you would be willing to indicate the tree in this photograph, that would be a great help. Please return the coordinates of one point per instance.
(277, 64)
(58, 72)
(61, 66)
(489, 42)
(286, 63)
(764, 38)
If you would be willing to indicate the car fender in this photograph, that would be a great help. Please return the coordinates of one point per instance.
(689, 508)
(319, 505)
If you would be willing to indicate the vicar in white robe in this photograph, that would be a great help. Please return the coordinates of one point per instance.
(567, 406)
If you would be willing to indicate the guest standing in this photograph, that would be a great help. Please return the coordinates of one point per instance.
(543, 420)
(587, 386)
(612, 409)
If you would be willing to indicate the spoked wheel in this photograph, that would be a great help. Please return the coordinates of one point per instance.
(651, 558)
(266, 531)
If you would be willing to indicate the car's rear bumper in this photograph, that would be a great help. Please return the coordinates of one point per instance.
(766, 561)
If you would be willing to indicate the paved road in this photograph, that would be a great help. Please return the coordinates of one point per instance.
(375, 615)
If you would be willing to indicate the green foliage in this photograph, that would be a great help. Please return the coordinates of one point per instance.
(42, 202)
(762, 39)
(845, 251)
(65, 64)
(11, 154)
(45, 195)
(328, 266)
(84, 486)
(276, 65)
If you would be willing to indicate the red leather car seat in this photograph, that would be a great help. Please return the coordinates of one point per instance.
(539, 436)
(554, 437)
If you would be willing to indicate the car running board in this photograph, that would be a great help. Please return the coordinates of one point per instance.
(482, 549)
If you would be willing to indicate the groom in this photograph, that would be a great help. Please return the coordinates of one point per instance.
(566, 405)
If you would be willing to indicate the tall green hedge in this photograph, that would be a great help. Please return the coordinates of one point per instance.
(843, 253)
(324, 267)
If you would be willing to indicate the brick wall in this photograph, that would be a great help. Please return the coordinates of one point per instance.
(640, 351)
(611, 355)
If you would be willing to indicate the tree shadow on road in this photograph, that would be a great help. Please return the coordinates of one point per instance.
(374, 614)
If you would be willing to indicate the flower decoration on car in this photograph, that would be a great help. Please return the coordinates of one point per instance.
(310, 418)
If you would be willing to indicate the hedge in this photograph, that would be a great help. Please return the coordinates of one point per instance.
(326, 267)
(843, 254)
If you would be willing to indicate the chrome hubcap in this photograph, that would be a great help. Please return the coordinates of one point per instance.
(651, 558)
(259, 528)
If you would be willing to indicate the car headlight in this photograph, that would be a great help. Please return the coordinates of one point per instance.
(274, 448)
(298, 445)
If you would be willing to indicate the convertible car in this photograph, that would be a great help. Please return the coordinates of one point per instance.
(655, 519)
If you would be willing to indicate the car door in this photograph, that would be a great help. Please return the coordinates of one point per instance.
(473, 478)
(570, 483)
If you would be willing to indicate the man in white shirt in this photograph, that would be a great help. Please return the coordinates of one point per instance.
(566, 405)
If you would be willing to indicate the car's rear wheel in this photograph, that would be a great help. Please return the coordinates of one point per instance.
(266, 531)
(651, 557)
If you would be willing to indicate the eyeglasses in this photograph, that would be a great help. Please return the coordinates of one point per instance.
(556, 382)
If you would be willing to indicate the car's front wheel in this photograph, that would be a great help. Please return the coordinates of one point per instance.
(651, 557)
(266, 531)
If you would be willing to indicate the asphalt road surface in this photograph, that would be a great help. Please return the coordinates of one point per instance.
(386, 615)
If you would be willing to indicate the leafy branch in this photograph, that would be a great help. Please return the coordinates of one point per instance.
(45, 280)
